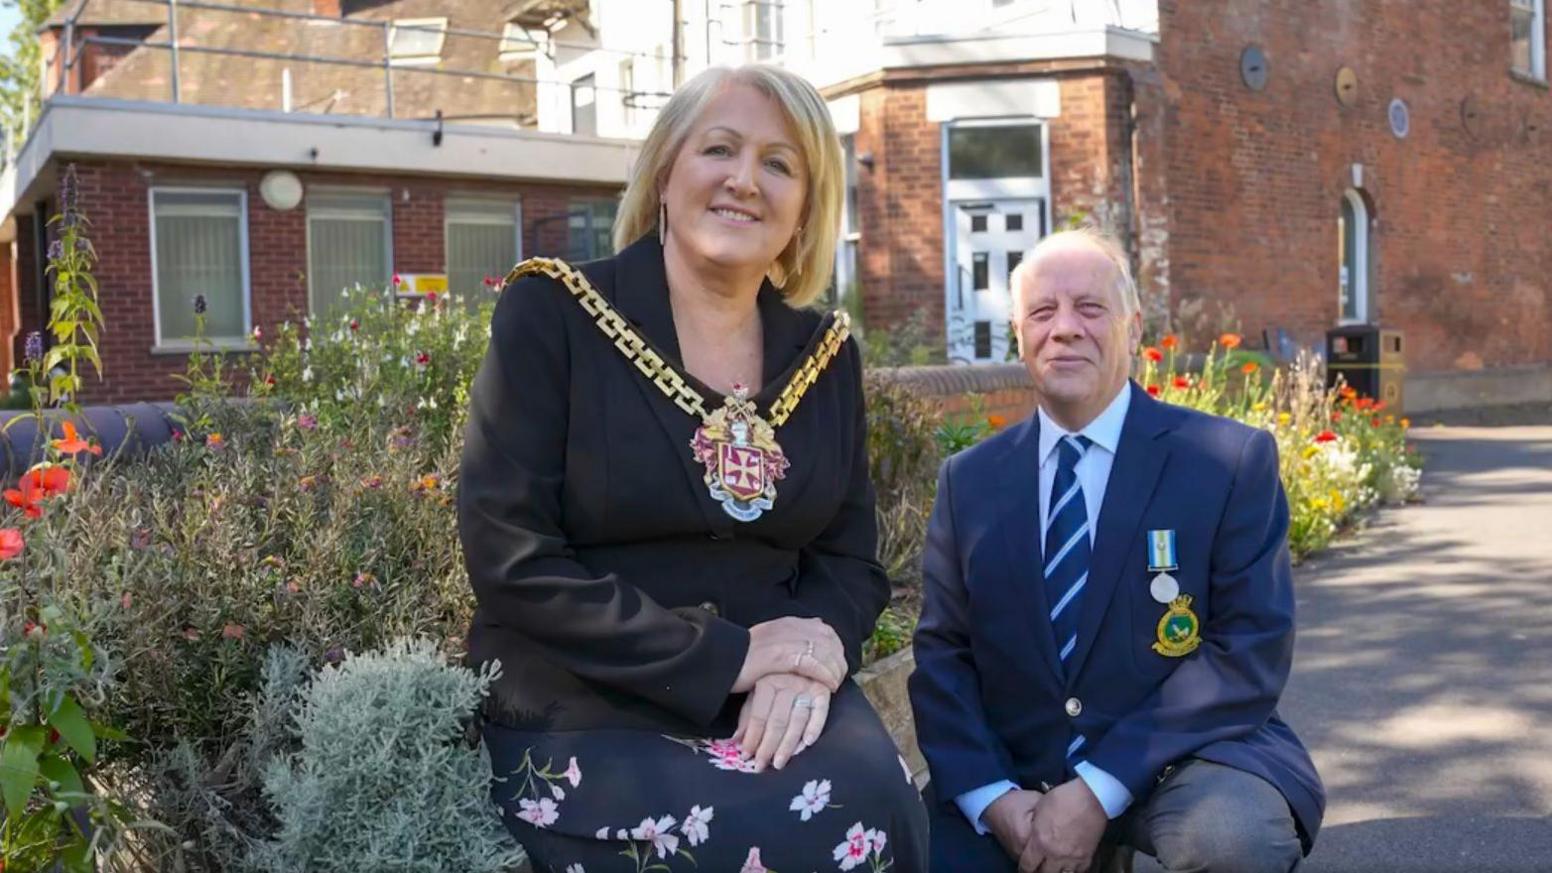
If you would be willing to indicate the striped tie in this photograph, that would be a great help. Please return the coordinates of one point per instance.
(1067, 546)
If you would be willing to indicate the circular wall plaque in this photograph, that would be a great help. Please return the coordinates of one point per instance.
(1400, 118)
(1253, 67)
(1346, 86)
(281, 190)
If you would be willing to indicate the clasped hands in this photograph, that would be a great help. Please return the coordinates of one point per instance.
(792, 668)
(1052, 832)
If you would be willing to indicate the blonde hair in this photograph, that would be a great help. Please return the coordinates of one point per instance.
(803, 268)
(1102, 242)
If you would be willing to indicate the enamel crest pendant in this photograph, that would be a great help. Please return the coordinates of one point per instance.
(742, 459)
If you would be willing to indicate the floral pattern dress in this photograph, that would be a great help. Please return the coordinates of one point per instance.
(603, 801)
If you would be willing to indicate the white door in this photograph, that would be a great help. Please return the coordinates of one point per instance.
(990, 238)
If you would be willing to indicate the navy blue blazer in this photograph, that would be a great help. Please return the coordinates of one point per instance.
(989, 701)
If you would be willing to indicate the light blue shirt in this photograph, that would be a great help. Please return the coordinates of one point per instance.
(1093, 472)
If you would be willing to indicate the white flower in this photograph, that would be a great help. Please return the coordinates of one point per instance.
(815, 797)
(656, 832)
(855, 849)
(539, 813)
(622, 834)
(559, 792)
(576, 868)
(878, 839)
(307, 373)
(752, 863)
(603, 833)
(694, 827)
(573, 773)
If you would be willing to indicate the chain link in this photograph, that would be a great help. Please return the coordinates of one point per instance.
(640, 354)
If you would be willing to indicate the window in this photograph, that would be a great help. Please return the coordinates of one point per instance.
(348, 244)
(589, 226)
(1004, 151)
(584, 106)
(199, 245)
(1527, 37)
(846, 278)
(519, 43)
(1353, 232)
(763, 29)
(481, 241)
(416, 40)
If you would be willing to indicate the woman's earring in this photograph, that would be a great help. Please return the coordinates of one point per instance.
(662, 221)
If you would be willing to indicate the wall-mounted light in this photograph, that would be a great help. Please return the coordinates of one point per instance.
(866, 160)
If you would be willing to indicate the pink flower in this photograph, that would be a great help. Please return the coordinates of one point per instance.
(694, 827)
(855, 849)
(422, 360)
(232, 632)
(728, 755)
(752, 863)
(573, 773)
(879, 839)
(539, 813)
(656, 832)
(306, 421)
(813, 800)
(11, 543)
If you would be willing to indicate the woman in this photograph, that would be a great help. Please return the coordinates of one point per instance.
(665, 509)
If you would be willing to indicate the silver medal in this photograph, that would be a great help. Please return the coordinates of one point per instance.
(1164, 588)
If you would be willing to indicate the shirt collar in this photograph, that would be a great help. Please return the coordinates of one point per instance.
(1104, 430)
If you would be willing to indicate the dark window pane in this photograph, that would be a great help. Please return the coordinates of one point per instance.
(1014, 259)
(979, 262)
(994, 152)
(1348, 276)
(977, 224)
(588, 228)
(1015, 221)
(983, 339)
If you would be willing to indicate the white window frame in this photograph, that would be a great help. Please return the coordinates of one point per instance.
(1538, 37)
(519, 43)
(327, 212)
(776, 48)
(451, 205)
(1357, 284)
(846, 273)
(419, 25)
(181, 346)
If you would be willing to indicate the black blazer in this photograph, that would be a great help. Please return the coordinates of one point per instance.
(611, 587)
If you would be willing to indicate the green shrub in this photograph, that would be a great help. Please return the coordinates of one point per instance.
(383, 779)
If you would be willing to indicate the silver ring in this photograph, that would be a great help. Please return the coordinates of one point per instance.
(802, 703)
(809, 649)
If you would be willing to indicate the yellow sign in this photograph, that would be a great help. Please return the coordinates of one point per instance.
(422, 283)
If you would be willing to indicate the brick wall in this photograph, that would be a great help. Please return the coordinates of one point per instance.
(1461, 209)
(115, 198)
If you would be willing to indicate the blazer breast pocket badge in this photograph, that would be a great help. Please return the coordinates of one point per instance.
(1179, 631)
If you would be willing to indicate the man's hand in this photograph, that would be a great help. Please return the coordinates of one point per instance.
(1066, 830)
(1010, 818)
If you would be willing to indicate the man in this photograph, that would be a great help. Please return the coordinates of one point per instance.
(1108, 615)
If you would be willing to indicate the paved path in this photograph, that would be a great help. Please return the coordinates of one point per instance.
(1423, 676)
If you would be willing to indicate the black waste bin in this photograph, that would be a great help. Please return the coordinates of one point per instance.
(1370, 359)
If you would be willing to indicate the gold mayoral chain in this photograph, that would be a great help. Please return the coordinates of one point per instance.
(737, 447)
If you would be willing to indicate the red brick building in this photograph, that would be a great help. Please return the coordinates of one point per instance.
(270, 201)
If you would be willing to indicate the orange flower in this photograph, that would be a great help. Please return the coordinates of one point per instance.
(428, 482)
(1325, 436)
(11, 543)
(1169, 341)
(72, 442)
(1182, 382)
(1229, 340)
(997, 422)
(1348, 392)
(35, 486)
(215, 441)
(1153, 390)
(1406, 423)
(1249, 367)
(1363, 403)
(1379, 406)
(1153, 354)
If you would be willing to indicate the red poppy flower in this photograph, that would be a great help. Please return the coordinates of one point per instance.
(1364, 403)
(1229, 340)
(1336, 416)
(1182, 382)
(1153, 390)
(72, 443)
(1374, 422)
(354, 325)
(1169, 341)
(1249, 367)
(1153, 354)
(1325, 436)
(11, 543)
(422, 359)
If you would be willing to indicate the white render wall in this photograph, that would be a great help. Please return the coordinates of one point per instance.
(827, 41)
